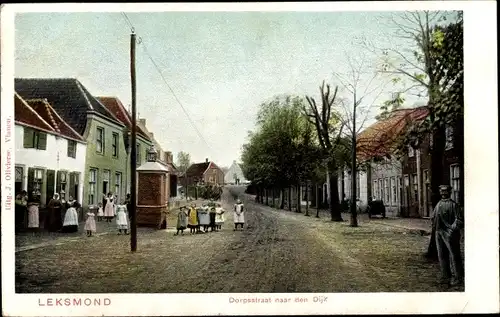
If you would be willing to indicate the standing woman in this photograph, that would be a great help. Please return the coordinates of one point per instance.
(33, 215)
(21, 209)
(71, 217)
(109, 207)
(53, 219)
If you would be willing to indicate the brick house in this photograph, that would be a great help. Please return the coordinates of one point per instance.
(388, 178)
(103, 132)
(207, 172)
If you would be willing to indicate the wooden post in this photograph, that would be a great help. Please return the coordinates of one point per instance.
(133, 152)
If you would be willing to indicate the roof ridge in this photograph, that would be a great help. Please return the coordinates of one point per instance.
(79, 85)
(44, 102)
(33, 111)
(64, 122)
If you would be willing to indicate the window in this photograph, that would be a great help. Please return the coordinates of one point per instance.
(105, 181)
(138, 162)
(115, 144)
(415, 186)
(63, 184)
(118, 184)
(92, 186)
(381, 188)
(387, 191)
(407, 181)
(375, 190)
(411, 151)
(455, 182)
(71, 148)
(19, 179)
(100, 140)
(449, 137)
(426, 177)
(34, 139)
(393, 191)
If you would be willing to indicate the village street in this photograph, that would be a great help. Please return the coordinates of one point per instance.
(279, 251)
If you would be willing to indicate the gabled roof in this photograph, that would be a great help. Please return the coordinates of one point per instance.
(67, 96)
(39, 114)
(380, 138)
(197, 169)
(45, 110)
(24, 114)
(115, 106)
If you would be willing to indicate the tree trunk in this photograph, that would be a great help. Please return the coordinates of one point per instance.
(307, 198)
(335, 211)
(437, 156)
(274, 197)
(290, 198)
(282, 199)
(267, 196)
(317, 200)
(299, 199)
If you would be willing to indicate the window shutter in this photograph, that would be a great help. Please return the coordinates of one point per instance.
(31, 179)
(58, 182)
(71, 187)
(28, 138)
(42, 141)
(51, 174)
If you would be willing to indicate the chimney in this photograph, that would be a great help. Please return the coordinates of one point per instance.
(151, 135)
(142, 121)
(169, 157)
(206, 160)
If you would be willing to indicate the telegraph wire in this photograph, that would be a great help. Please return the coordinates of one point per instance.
(140, 41)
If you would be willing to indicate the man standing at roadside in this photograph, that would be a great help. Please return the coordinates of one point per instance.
(448, 220)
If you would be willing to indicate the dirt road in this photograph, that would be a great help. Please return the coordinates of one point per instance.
(279, 251)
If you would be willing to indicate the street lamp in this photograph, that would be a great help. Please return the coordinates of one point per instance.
(152, 154)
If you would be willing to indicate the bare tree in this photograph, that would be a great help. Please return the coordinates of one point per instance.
(329, 135)
(364, 88)
(415, 63)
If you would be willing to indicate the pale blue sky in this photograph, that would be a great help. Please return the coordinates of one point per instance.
(221, 65)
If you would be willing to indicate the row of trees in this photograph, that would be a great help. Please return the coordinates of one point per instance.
(299, 140)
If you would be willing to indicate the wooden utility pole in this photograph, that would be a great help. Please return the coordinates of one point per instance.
(133, 152)
(354, 217)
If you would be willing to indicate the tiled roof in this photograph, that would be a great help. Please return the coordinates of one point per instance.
(67, 96)
(115, 106)
(197, 170)
(24, 114)
(45, 110)
(379, 139)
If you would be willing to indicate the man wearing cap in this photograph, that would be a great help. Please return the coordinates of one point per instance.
(447, 220)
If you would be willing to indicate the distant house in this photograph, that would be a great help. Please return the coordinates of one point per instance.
(207, 172)
(50, 155)
(234, 175)
(103, 132)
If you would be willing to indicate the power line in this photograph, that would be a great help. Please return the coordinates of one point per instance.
(140, 41)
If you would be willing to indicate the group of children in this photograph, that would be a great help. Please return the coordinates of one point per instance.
(200, 219)
(110, 211)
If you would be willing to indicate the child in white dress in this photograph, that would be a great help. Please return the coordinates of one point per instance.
(122, 219)
(100, 213)
(90, 226)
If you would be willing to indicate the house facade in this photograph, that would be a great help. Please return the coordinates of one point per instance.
(115, 106)
(234, 175)
(105, 163)
(50, 155)
(207, 172)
